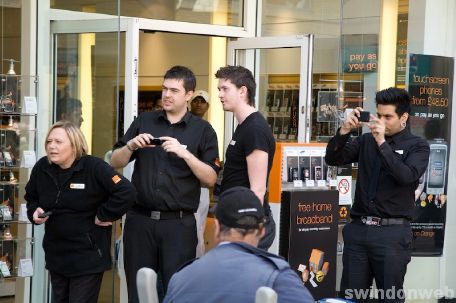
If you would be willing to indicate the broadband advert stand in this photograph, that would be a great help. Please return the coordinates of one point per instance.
(309, 214)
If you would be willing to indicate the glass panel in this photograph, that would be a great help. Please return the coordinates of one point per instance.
(109, 7)
(10, 34)
(87, 94)
(321, 18)
(220, 12)
(278, 89)
(86, 86)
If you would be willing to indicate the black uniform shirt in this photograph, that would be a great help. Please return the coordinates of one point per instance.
(164, 181)
(253, 133)
(402, 159)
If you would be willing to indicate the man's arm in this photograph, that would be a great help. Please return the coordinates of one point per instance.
(340, 149)
(121, 156)
(257, 169)
(205, 173)
(201, 170)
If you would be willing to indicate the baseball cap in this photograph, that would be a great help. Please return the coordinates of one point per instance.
(202, 94)
(236, 203)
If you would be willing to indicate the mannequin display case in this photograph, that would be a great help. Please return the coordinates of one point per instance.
(18, 109)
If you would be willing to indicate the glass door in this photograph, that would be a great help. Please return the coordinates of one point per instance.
(89, 66)
(282, 70)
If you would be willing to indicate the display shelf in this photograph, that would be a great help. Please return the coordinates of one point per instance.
(281, 111)
(18, 109)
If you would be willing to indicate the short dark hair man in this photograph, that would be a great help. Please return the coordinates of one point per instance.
(235, 269)
(250, 153)
(378, 241)
(160, 230)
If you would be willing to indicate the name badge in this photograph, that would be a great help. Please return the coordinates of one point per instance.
(399, 151)
(77, 185)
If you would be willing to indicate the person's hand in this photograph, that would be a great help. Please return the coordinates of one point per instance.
(37, 220)
(140, 141)
(377, 128)
(351, 121)
(171, 145)
(102, 223)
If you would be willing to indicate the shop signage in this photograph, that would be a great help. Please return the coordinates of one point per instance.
(430, 87)
(359, 53)
(360, 60)
(401, 49)
(309, 238)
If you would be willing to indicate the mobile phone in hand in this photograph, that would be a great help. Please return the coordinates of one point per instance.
(156, 141)
(364, 116)
(45, 214)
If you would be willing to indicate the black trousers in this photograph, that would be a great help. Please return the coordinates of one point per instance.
(375, 252)
(268, 238)
(163, 245)
(80, 289)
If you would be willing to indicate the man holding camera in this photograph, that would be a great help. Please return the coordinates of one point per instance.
(160, 229)
(378, 240)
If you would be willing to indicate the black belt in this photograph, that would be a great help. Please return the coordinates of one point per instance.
(162, 215)
(377, 221)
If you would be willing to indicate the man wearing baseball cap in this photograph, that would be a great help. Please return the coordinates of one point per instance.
(200, 103)
(234, 269)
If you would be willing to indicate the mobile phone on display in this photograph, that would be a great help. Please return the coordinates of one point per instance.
(45, 214)
(435, 184)
(364, 116)
(305, 174)
(318, 173)
(156, 141)
(8, 159)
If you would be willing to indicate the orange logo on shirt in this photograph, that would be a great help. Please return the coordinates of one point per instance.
(116, 179)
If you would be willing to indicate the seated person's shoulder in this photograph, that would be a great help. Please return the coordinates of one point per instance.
(272, 259)
(186, 264)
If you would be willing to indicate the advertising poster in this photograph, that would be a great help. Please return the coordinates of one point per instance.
(309, 232)
(327, 106)
(430, 86)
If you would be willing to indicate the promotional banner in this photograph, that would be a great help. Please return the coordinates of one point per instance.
(308, 238)
(359, 53)
(430, 87)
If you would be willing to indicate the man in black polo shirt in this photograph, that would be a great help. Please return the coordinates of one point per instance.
(378, 241)
(160, 230)
(251, 150)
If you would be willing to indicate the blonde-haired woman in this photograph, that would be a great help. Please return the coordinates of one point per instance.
(77, 196)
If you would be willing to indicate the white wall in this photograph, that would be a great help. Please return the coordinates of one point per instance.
(432, 32)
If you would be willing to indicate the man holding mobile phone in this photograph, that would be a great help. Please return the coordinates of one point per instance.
(378, 240)
(160, 230)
